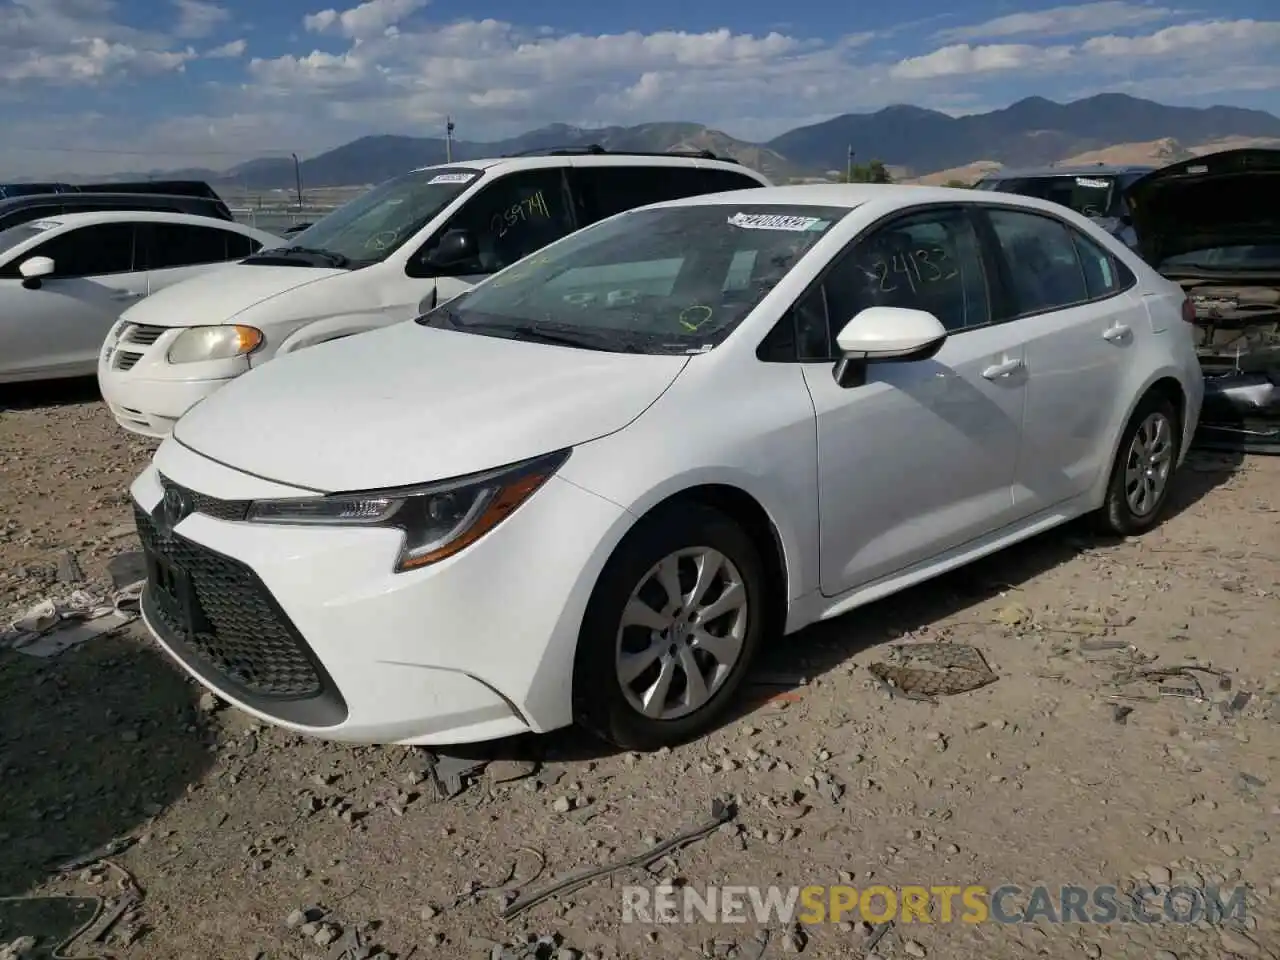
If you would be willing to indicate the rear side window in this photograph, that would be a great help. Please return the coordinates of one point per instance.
(610, 190)
(171, 245)
(1043, 264)
(717, 181)
(1100, 276)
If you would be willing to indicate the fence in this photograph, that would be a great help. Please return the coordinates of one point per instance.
(277, 219)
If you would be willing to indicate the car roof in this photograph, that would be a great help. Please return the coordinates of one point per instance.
(851, 195)
(1079, 170)
(595, 160)
(149, 216)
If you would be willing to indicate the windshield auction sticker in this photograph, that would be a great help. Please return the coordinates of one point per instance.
(1094, 184)
(452, 178)
(772, 221)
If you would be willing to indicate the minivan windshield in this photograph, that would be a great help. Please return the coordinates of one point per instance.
(371, 227)
(658, 280)
(1089, 196)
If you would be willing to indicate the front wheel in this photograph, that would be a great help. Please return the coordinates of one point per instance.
(671, 629)
(1143, 470)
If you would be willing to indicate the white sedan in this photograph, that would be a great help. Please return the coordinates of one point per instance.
(594, 486)
(65, 281)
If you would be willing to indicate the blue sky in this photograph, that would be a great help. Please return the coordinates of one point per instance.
(101, 85)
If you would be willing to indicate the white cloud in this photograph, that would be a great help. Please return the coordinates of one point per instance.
(1061, 21)
(960, 58)
(367, 20)
(227, 51)
(1204, 39)
(199, 18)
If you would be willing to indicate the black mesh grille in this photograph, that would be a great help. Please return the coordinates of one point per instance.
(239, 631)
(211, 506)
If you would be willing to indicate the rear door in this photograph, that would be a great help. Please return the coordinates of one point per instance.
(58, 328)
(172, 252)
(1082, 326)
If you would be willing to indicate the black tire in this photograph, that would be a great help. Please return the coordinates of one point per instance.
(601, 706)
(1117, 517)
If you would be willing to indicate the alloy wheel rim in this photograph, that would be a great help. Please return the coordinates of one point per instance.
(682, 633)
(1148, 465)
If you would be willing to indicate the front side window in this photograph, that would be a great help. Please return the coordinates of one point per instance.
(93, 251)
(926, 261)
(664, 280)
(511, 218)
(1043, 265)
(371, 227)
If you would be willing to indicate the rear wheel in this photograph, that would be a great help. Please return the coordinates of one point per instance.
(1143, 470)
(670, 630)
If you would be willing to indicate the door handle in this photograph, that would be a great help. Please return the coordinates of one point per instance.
(1002, 369)
(1116, 334)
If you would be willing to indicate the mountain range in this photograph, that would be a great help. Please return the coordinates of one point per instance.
(911, 140)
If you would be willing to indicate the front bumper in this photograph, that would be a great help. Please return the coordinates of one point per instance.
(309, 629)
(144, 392)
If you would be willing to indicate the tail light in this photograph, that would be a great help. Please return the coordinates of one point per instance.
(1188, 310)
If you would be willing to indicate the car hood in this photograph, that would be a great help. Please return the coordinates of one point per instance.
(222, 294)
(409, 404)
(1210, 201)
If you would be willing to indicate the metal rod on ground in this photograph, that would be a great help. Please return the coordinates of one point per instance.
(448, 139)
(848, 166)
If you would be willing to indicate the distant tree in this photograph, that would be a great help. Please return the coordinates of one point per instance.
(873, 172)
(957, 183)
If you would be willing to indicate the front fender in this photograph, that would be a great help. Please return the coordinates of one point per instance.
(333, 328)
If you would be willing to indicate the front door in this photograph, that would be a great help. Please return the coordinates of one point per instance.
(58, 329)
(511, 218)
(920, 458)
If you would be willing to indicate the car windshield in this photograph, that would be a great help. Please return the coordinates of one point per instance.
(1256, 256)
(659, 280)
(371, 227)
(15, 235)
(1090, 196)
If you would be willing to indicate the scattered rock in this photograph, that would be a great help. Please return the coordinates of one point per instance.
(913, 949)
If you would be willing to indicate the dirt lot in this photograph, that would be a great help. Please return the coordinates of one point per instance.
(1048, 775)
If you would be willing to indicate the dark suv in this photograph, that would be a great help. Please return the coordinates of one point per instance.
(24, 209)
(1095, 191)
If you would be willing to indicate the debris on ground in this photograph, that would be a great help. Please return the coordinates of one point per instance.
(721, 813)
(52, 627)
(952, 668)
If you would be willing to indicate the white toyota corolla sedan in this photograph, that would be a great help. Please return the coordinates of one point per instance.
(593, 487)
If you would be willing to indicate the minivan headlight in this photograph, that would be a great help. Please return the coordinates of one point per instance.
(437, 520)
(222, 342)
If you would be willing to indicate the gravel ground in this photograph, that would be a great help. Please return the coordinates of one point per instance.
(248, 843)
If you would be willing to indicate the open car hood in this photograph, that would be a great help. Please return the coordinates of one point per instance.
(1212, 201)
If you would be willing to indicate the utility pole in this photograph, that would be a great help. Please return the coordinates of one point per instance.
(297, 178)
(448, 139)
(848, 166)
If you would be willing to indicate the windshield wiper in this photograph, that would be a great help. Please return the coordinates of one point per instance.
(608, 341)
(337, 260)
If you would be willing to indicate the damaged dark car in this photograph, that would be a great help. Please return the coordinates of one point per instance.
(1212, 225)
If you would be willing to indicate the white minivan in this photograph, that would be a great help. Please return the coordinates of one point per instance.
(387, 256)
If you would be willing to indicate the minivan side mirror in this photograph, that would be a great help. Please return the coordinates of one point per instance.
(886, 335)
(33, 269)
(456, 246)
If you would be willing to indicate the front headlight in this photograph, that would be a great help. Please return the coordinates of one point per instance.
(437, 520)
(222, 342)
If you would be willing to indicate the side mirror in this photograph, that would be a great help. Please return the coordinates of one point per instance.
(456, 246)
(886, 335)
(33, 269)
